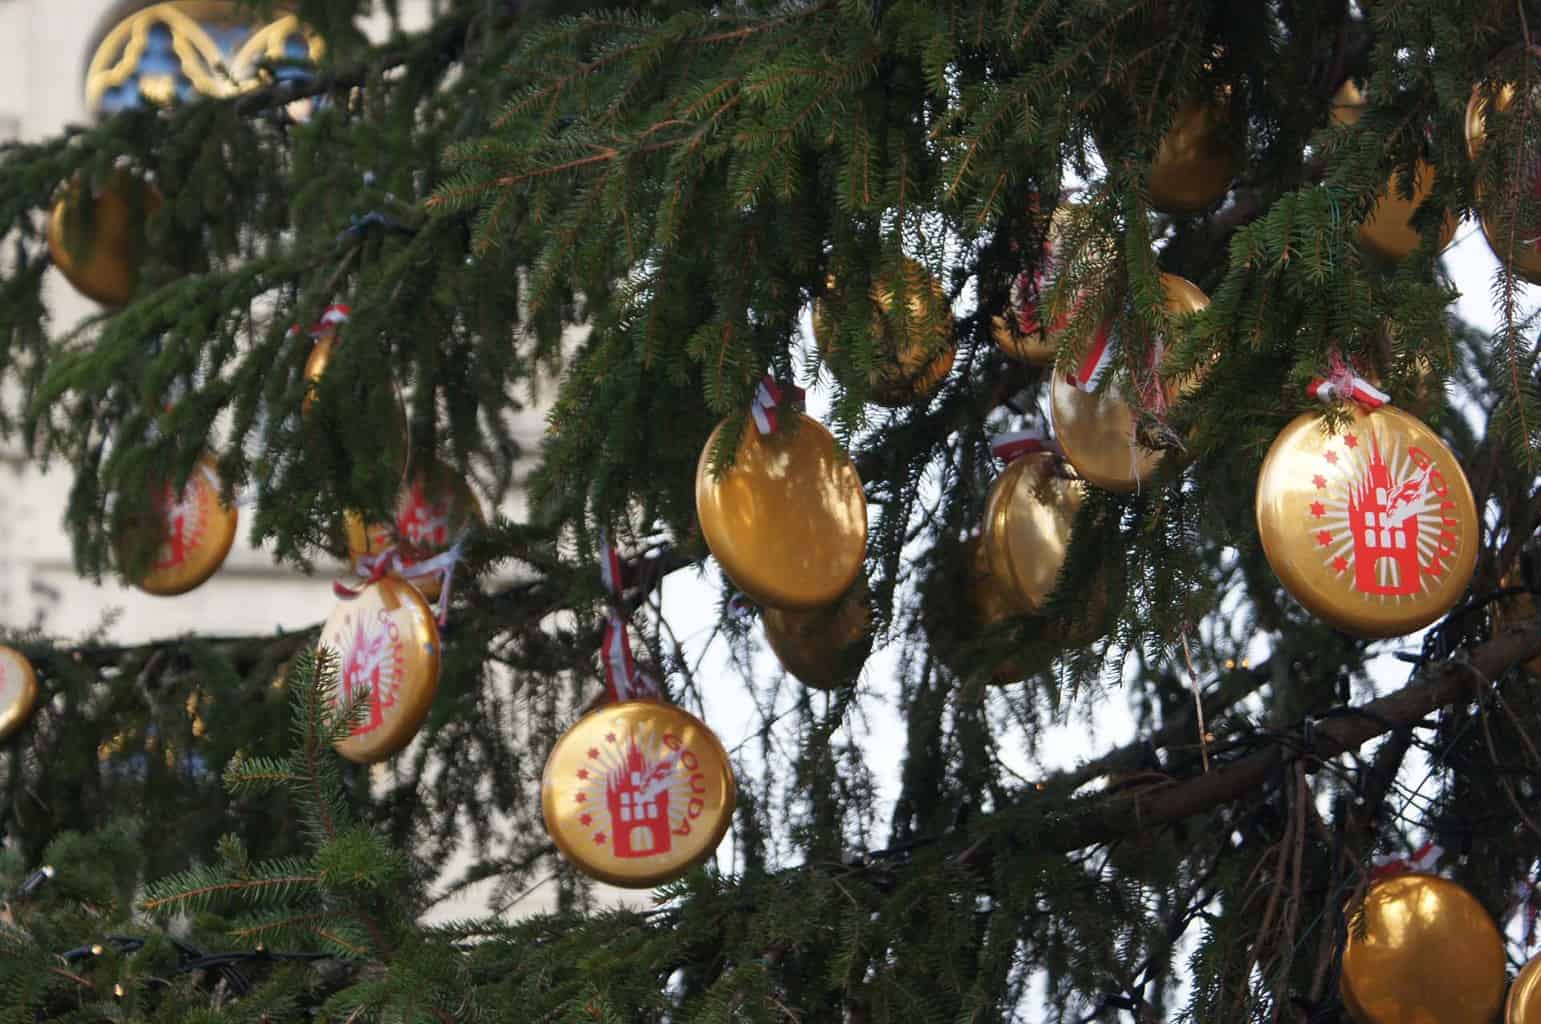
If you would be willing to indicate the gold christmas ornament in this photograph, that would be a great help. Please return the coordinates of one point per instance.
(1371, 525)
(326, 337)
(637, 793)
(1526, 261)
(365, 539)
(1197, 158)
(98, 241)
(387, 647)
(1020, 333)
(1420, 948)
(1096, 430)
(1028, 516)
(913, 350)
(193, 533)
(18, 690)
(1524, 1003)
(788, 519)
(434, 510)
(824, 648)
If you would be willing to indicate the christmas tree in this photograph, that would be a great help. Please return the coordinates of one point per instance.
(1167, 230)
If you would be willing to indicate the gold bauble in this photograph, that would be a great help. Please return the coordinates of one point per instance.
(1421, 948)
(316, 364)
(365, 539)
(1196, 161)
(992, 600)
(824, 648)
(1096, 430)
(1020, 332)
(434, 509)
(1028, 517)
(1526, 260)
(788, 519)
(1324, 502)
(387, 645)
(193, 533)
(910, 360)
(18, 690)
(99, 250)
(1524, 1003)
(637, 793)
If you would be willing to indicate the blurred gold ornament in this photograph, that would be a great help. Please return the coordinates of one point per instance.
(386, 643)
(98, 241)
(913, 348)
(1020, 332)
(1197, 158)
(435, 509)
(1420, 948)
(637, 793)
(1371, 525)
(1524, 1003)
(788, 519)
(1028, 516)
(18, 690)
(1525, 259)
(825, 647)
(193, 532)
(1096, 430)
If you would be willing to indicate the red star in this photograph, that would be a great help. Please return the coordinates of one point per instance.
(1318, 509)
(1324, 537)
(1340, 564)
(1350, 441)
(594, 752)
(583, 798)
(609, 737)
(583, 773)
(599, 839)
(1332, 458)
(1320, 481)
(587, 819)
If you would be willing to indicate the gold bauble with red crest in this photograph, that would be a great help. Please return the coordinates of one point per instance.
(1421, 948)
(637, 793)
(1096, 430)
(386, 643)
(18, 690)
(788, 519)
(1371, 524)
(824, 647)
(1197, 159)
(97, 240)
(434, 509)
(190, 533)
(1028, 516)
(913, 347)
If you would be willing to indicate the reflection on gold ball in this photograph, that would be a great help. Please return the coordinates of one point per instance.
(97, 242)
(913, 348)
(1196, 161)
(824, 648)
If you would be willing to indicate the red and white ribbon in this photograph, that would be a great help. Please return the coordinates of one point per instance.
(331, 316)
(1090, 370)
(1343, 384)
(1423, 861)
(1014, 444)
(624, 679)
(769, 397)
(373, 568)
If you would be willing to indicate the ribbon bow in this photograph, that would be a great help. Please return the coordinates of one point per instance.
(1423, 860)
(376, 567)
(1342, 383)
(331, 316)
(1014, 444)
(624, 679)
(768, 399)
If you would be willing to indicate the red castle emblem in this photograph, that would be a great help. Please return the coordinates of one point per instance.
(1382, 520)
(638, 798)
(639, 792)
(184, 518)
(372, 663)
(422, 523)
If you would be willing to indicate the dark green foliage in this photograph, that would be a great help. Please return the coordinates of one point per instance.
(680, 180)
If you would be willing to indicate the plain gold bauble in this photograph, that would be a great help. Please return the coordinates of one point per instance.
(1524, 1003)
(788, 519)
(912, 353)
(1096, 430)
(1526, 260)
(1372, 527)
(637, 793)
(97, 242)
(1421, 948)
(1028, 516)
(18, 690)
(824, 648)
(386, 642)
(1196, 161)
(193, 532)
